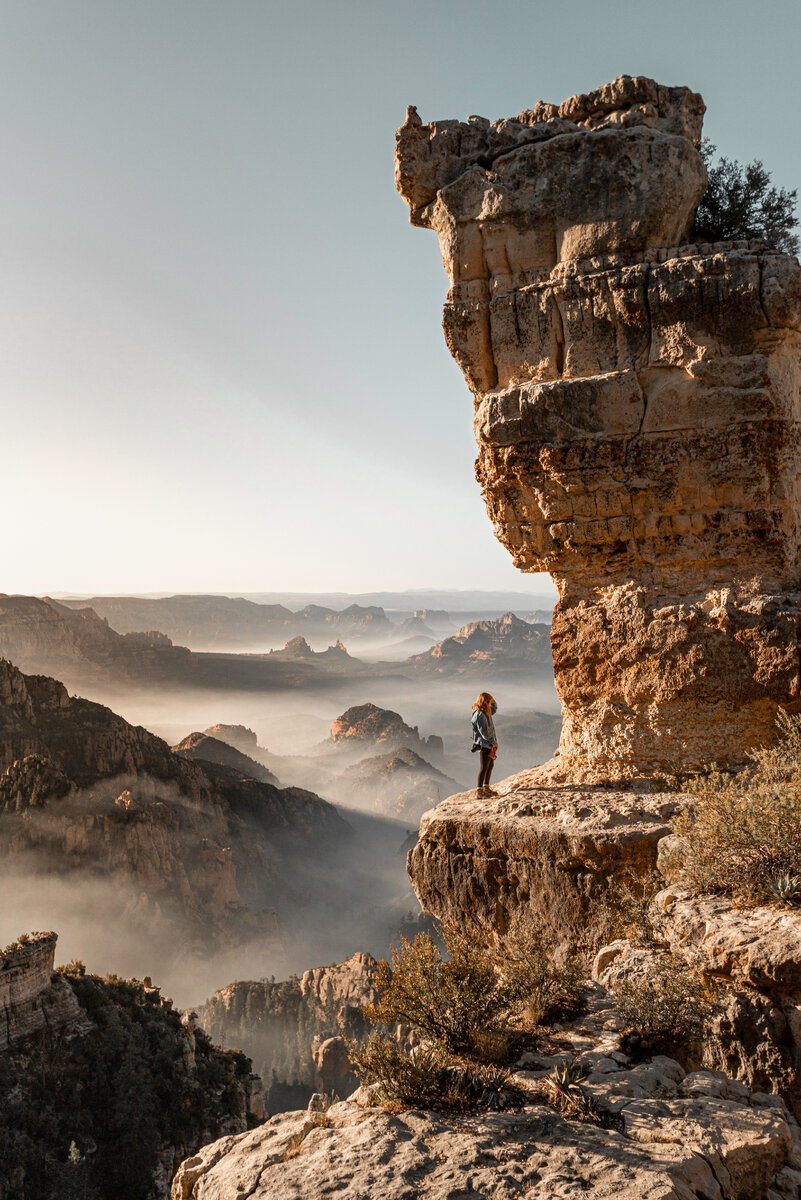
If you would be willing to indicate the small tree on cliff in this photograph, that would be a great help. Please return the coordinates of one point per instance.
(741, 202)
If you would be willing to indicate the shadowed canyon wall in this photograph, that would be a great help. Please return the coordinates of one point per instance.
(636, 414)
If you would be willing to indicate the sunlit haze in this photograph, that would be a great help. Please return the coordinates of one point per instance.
(223, 364)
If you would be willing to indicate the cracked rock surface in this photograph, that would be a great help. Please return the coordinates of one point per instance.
(551, 851)
(687, 1137)
(636, 414)
(755, 953)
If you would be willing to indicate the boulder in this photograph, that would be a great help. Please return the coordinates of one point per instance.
(681, 1143)
(754, 955)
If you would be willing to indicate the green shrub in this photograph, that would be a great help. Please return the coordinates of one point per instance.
(426, 1078)
(742, 832)
(539, 988)
(665, 1008)
(741, 203)
(453, 1001)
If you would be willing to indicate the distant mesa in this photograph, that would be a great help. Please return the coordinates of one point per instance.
(199, 747)
(234, 623)
(240, 736)
(507, 643)
(297, 648)
(371, 725)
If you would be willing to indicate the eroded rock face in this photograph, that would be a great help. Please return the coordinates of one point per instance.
(294, 1030)
(546, 852)
(636, 410)
(755, 953)
(32, 996)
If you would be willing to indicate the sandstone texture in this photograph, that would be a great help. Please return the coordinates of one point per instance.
(755, 954)
(549, 852)
(697, 1136)
(636, 413)
(32, 996)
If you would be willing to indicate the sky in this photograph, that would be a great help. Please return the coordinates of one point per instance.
(222, 362)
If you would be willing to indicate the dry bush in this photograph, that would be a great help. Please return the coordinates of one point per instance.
(743, 831)
(454, 1001)
(665, 1008)
(540, 989)
(469, 1002)
(624, 911)
(426, 1078)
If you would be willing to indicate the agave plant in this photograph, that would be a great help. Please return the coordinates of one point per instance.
(566, 1074)
(786, 888)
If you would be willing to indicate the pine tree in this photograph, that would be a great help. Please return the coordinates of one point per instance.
(741, 203)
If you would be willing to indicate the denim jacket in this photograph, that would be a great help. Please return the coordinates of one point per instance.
(483, 730)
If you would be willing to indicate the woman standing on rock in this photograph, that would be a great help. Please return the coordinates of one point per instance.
(484, 739)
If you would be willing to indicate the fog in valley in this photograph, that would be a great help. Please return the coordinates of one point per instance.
(317, 896)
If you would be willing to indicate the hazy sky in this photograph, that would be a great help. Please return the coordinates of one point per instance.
(222, 362)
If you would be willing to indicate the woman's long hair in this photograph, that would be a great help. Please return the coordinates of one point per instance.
(484, 703)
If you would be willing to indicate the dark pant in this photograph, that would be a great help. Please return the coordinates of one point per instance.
(485, 770)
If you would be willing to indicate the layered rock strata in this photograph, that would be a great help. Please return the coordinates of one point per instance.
(636, 413)
(32, 995)
(549, 853)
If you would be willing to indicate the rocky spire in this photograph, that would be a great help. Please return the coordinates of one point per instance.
(636, 413)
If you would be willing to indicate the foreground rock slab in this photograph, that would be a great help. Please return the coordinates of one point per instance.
(678, 1145)
(535, 849)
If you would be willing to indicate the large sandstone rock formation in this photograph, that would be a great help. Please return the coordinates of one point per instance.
(636, 412)
(550, 853)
